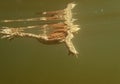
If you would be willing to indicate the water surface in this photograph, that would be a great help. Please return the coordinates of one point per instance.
(26, 61)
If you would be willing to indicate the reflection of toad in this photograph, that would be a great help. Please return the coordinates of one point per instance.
(54, 15)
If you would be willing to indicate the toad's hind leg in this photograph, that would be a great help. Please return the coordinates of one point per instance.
(25, 20)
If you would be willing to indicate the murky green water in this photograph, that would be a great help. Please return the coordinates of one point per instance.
(26, 61)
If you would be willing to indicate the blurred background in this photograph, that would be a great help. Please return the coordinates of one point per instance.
(26, 61)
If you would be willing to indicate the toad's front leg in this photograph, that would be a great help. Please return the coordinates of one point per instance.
(69, 44)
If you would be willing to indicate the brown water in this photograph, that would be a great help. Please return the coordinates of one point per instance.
(26, 61)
